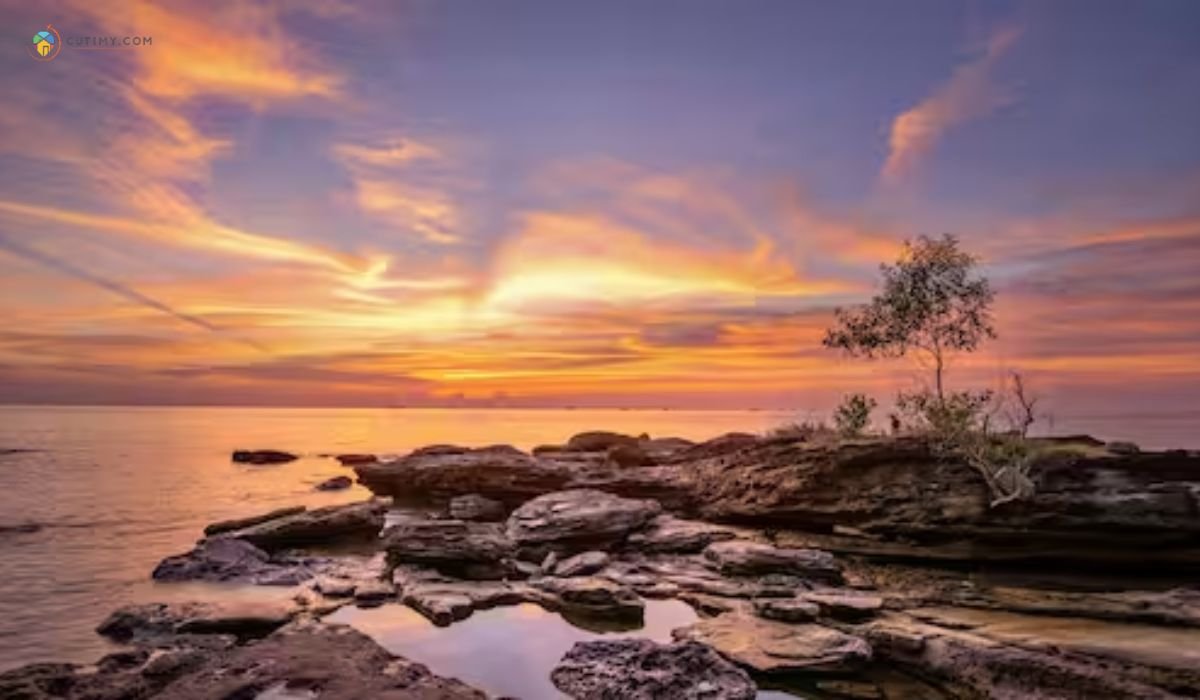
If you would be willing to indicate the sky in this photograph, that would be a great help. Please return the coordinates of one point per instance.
(589, 203)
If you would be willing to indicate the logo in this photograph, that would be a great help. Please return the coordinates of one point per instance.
(46, 44)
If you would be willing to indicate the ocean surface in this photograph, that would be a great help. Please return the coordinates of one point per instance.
(111, 491)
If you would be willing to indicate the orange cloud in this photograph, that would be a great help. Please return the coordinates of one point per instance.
(968, 94)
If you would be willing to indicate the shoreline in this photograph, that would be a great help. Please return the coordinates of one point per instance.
(856, 556)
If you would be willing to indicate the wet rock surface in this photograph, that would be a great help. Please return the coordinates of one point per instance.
(639, 669)
(335, 483)
(263, 457)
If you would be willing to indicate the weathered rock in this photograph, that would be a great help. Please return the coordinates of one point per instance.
(335, 483)
(439, 473)
(639, 669)
(476, 507)
(577, 520)
(583, 564)
(263, 457)
(1090, 506)
(591, 597)
(155, 622)
(335, 661)
(227, 559)
(223, 526)
(853, 690)
(1008, 656)
(843, 604)
(744, 558)
(599, 441)
(786, 609)
(774, 647)
(444, 600)
(334, 587)
(668, 534)
(457, 547)
(318, 526)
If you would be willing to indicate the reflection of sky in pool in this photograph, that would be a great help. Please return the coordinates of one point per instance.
(504, 651)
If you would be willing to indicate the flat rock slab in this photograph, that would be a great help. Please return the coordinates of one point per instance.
(583, 564)
(240, 523)
(579, 519)
(744, 558)
(327, 525)
(774, 647)
(639, 669)
(152, 622)
(462, 548)
(668, 534)
(226, 559)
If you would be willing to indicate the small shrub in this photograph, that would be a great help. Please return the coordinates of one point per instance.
(805, 430)
(853, 415)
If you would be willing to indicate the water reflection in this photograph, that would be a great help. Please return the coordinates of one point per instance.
(505, 651)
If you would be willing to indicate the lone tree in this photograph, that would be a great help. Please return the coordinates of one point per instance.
(932, 301)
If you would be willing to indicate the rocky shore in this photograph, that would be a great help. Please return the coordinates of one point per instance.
(848, 569)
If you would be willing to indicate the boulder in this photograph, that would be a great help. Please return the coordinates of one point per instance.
(668, 534)
(442, 472)
(744, 558)
(354, 521)
(374, 592)
(335, 483)
(457, 547)
(334, 587)
(476, 507)
(263, 457)
(771, 647)
(240, 523)
(578, 520)
(583, 564)
(639, 669)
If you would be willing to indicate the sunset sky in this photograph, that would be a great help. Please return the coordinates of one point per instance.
(589, 203)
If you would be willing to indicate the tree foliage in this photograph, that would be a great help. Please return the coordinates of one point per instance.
(932, 301)
(853, 415)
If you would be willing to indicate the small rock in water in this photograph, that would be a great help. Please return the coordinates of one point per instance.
(263, 457)
(350, 460)
(336, 483)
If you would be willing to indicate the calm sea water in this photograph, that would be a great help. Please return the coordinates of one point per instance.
(117, 489)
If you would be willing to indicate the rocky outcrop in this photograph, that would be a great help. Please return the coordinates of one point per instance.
(591, 597)
(599, 441)
(1010, 656)
(767, 646)
(577, 520)
(476, 507)
(639, 669)
(355, 521)
(263, 457)
(1091, 506)
(501, 473)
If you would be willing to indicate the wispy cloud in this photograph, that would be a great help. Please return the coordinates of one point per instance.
(969, 94)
